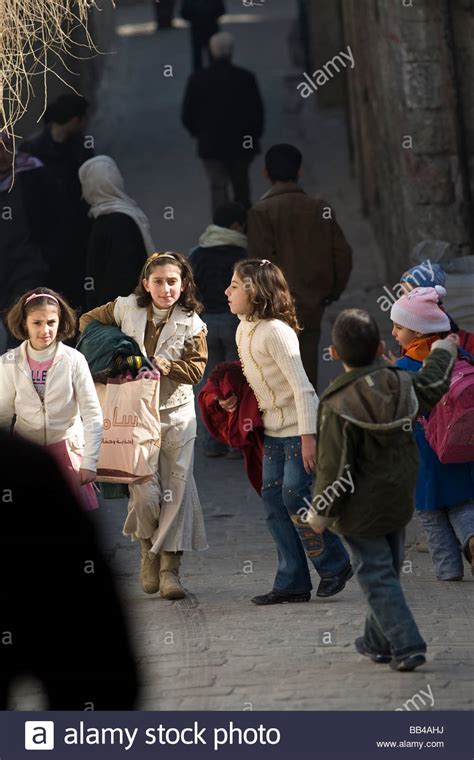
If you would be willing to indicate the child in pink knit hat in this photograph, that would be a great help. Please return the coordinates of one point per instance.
(444, 492)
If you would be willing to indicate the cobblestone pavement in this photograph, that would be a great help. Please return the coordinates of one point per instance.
(215, 650)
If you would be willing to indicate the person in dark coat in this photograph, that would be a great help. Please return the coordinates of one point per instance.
(223, 109)
(300, 234)
(120, 239)
(221, 246)
(25, 221)
(164, 10)
(62, 147)
(203, 16)
(60, 614)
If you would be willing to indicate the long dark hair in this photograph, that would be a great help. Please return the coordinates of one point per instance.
(268, 291)
(188, 299)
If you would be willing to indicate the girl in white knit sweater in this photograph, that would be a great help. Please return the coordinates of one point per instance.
(269, 352)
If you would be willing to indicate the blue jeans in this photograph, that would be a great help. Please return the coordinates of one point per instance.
(222, 347)
(286, 485)
(390, 627)
(448, 531)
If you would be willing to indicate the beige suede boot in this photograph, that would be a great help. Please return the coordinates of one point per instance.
(170, 587)
(149, 568)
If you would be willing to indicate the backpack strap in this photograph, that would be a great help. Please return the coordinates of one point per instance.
(463, 354)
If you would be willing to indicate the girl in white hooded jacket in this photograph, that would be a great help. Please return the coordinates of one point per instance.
(48, 387)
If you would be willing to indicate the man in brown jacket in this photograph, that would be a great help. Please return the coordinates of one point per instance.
(300, 234)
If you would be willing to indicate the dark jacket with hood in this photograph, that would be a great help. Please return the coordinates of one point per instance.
(367, 461)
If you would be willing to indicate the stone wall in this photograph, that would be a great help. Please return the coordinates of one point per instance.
(413, 139)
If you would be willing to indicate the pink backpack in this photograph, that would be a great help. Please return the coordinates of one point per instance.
(449, 429)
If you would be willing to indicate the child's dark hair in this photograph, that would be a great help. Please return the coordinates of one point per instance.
(283, 162)
(188, 298)
(65, 108)
(228, 214)
(356, 337)
(17, 314)
(268, 290)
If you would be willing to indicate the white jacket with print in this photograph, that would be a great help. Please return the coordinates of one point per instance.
(69, 395)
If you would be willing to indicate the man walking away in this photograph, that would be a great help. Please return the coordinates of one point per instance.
(223, 109)
(300, 234)
(203, 16)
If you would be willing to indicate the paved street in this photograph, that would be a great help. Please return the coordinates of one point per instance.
(215, 650)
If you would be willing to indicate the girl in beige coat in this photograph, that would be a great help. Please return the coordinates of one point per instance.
(165, 512)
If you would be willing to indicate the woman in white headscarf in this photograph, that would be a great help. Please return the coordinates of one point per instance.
(120, 240)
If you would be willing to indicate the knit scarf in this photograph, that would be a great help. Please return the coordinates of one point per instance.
(419, 348)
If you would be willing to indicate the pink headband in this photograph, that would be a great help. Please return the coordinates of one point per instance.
(41, 295)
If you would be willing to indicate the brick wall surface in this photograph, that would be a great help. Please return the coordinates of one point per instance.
(403, 116)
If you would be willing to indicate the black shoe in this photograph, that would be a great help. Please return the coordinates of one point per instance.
(410, 662)
(332, 586)
(362, 648)
(276, 597)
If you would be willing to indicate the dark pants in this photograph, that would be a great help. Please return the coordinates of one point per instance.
(309, 349)
(164, 10)
(286, 494)
(221, 174)
(390, 627)
(200, 36)
(222, 348)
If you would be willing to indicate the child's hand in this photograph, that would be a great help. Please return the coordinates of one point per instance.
(454, 337)
(162, 364)
(228, 404)
(308, 452)
(390, 357)
(87, 476)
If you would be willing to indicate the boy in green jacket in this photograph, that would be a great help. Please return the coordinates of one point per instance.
(367, 466)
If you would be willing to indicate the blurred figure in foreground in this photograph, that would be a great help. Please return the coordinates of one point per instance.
(70, 631)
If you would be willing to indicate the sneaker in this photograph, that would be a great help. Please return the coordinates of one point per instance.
(335, 584)
(410, 662)
(362, 648)
(276, 597)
